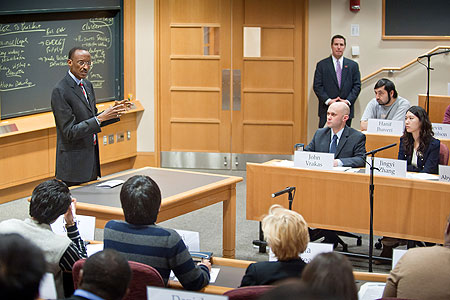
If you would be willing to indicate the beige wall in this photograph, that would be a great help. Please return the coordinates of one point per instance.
(145, 74)
(329, 17)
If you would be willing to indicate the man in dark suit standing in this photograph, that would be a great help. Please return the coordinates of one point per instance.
(336, 79)
(77, 121)
(347, 144)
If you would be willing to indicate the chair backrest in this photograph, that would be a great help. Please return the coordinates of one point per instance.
(443, 154)
(247, 292)
(143, 276)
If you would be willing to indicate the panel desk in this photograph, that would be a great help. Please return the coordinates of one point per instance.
(375, 141)
(404, 208)
(182, 192)
(232, 271)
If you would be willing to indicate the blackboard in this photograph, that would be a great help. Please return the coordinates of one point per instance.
(416, 18)
(33, 56)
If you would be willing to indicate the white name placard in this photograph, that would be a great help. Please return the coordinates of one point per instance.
(313, 160)
(397, 254)
(387, 167)
(444, 173)
(86, 226)
(441, 131)
(155, 293)
(311, 251)
(381, 126)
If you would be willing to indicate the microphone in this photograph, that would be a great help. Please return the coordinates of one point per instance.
(286, 190)
(380, 149)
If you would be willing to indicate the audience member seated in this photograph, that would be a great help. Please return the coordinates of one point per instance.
(447, 116)
(386, 104)
(22, 265)
(105, 275)
(422, 273)
(347, 144)
(140, 239)
(417, 145)
(50, 200)
(287, 235)
(294, 289)
(331, 273)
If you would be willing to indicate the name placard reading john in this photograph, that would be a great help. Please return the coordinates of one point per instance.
(387, 167)
(441, 131)
(444, 173)
(313, 160)
(380, 126)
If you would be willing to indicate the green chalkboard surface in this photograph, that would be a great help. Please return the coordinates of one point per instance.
(33, 56)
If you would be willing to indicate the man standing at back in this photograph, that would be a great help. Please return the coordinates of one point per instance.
(347, 144)
(140, 239)
(336, 79)
(387, 104)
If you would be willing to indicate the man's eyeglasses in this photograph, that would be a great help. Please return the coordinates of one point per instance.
(83, 63)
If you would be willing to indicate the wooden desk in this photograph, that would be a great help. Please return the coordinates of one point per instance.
(236, 268)
(375, 141)
(438, 105)
(182, 192)
(403, 208)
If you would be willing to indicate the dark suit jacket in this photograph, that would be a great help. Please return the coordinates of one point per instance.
(76, 154)
(76, 298)
(428, 163)
(350, 150)
(268, 272)
(326, 86)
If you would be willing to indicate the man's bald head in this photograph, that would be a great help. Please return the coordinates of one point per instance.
(337, 115)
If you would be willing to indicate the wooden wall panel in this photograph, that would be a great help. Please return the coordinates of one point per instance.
(195, 137)
(268, 138)
(277, 42)
(186, 41)
(269, 12)
(191, 104)
(195, 11)
(271, 107)
(191, 73)
(268, 74)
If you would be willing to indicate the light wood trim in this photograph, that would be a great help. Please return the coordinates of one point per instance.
(145, 159)
(365, 276)
(195, 57)
(438, 105)
(194, 25)
(201, 121)
(275, 91)
(386, 69)
(271, 26)
(269, 58)
(129, 45)
(303, 113)
(264, 122)
(194, 89)
(157, 64)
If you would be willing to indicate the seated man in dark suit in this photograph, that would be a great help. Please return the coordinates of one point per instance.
(347, 144)
(105, 275)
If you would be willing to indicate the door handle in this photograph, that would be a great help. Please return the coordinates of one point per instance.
(236, 90)
(226, 89)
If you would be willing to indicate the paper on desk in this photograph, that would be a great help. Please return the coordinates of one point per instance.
(371, 290)
(424, 176)
(111, 183)
(86, 226)
(93, 248)
(47, 288)
(213, 275)
(341, 169)
(283, 163)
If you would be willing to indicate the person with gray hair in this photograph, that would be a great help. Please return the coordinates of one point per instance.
(105, 275)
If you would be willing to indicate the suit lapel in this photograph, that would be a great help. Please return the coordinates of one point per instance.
(344, 71)
(325, 146)
(77, 90)
(333, 71)
(342, 141)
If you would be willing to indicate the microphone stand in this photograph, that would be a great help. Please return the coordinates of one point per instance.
(261, 243)
(428, 56)
(371, 193)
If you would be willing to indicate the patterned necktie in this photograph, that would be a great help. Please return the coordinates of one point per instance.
(333, 145)
(338, 73)
(84, 92)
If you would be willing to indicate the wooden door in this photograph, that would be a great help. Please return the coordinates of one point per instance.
(214, 102)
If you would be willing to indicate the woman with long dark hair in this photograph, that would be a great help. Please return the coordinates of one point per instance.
(417, 145)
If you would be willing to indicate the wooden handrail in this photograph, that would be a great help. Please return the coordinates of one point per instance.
(402, 67)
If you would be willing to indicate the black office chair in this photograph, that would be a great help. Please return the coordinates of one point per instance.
(333, 237)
